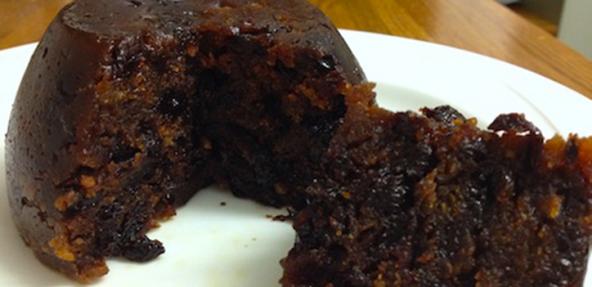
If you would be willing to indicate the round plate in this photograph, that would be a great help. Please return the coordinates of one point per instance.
(218, 240)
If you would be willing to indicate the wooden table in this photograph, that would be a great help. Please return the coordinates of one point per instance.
(482, 26)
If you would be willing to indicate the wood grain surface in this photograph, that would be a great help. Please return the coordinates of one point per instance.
(482, 26)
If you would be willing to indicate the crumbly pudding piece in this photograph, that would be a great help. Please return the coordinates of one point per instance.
(431, 200)
(130, 107)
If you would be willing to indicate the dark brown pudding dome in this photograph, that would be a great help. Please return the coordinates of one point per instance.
(128, 108)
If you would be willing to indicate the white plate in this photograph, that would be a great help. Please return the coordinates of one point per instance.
(237, 245)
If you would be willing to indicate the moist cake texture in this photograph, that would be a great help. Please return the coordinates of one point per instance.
(431, 200)
(128, 108)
